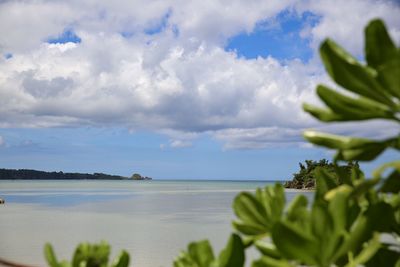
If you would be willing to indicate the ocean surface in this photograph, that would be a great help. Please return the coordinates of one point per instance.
(153, 220)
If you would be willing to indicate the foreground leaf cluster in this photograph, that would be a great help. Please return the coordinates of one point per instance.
(344, 223)
(88, 255)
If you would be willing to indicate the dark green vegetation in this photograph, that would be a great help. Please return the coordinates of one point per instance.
(22, 174)
(305, 178)
(344, 224)
(88, 255)
(8, 174)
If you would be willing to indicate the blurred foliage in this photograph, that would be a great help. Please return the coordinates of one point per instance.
(88, 255)
(343, 225)
(305, 177)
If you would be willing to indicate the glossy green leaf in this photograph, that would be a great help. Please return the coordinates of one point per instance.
(248, 228)
(50, 256)
(323, 114)
(383, 257)
(323, 230)
(233, 254)
(268, 249)
(393, 164)
(336, 141)
(87, 254)
(258, 213)
(273, 200)
(347, 72)
(379, 48)
(353, 109)
(361, 188)
(354, 239)
(184, 260)
(392, 183)
(297, 211)
(349, 148)
(367, 252)
(201, 253)
(364, 153)
(325, 182)
(271, 262)
(250, 210)
(122, 260)
(389, 76)
(294, 243)
(381, 217)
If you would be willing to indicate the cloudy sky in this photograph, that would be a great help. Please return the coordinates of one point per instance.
(172, 89)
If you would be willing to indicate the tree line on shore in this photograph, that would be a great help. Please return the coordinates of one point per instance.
(25, 174)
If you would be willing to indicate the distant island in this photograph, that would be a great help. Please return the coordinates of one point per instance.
(25, 174)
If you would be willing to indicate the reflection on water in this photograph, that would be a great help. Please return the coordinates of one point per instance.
(153, 220)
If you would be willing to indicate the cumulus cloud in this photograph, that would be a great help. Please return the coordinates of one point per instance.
(164, 68)
(344, 21)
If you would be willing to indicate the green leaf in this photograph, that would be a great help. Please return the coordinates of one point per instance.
(367, 252)
(389, 76)
(87, 254)
(297, 211)
(392, 183)
(361, 188)
(294, 243)
(336, 141)
(349, 148)
(383, 257)
(273, 200)
(184, 260)
(323, 114)
(325, 182)
(379, 48)
(250, 210)
(365, 153)
(271, 262)
(259, 212)
(381, 217)
(393, 164)
(50, 255)
(201, 253)
(268, 249)
(248, 228)
(350, 109)
(347, 72)
(233, 254)
(122, 260)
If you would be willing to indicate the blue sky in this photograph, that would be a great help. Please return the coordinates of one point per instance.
(177, 91)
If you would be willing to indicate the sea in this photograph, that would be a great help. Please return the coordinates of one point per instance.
(153, 220)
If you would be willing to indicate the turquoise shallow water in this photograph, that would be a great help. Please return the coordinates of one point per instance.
(153, 220)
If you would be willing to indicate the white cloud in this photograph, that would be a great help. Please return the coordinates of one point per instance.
(181, 84)
(180, 144)
(1, 141)
(344, 21)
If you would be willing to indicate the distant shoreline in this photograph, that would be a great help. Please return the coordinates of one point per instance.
(27, 174)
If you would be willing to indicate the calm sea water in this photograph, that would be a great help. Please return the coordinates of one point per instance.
(153, 220)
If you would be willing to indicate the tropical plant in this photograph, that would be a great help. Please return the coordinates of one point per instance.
(343, 226)
(305, 177)
(88, 255)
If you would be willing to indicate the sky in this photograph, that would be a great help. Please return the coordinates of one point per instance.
(173, 89)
